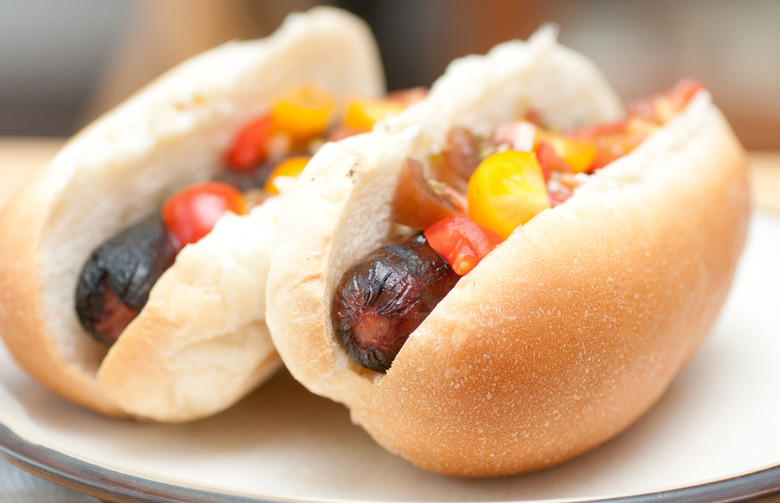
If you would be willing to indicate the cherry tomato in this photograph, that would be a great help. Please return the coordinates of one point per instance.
(292, 166)
(507, 190)
(461, 153)
(461, 242)
(250, 144)
(303, 113)
(363, 113)
(593, 131)
(550, 161)
(419, 202)
(613, 140)
(662, 107)
(192, 212)
(577, 154)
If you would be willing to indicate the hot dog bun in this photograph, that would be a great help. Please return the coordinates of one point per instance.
(200, 343)
(568, 331)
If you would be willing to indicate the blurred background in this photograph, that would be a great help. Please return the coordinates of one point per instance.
(64, 63)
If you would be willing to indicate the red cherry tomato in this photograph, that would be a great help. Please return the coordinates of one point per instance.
(420, 202)
(461, 242)
(192, 212)
(550, 161)
(249, 146)
(594, 131)
(662, 107)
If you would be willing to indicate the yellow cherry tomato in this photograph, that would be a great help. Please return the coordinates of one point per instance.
(291, 167)
(506, 190)
(303, 113)
(362, 114)
(578, 154)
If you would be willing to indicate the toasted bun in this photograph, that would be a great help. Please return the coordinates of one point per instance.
(200, 343)
(568, 331)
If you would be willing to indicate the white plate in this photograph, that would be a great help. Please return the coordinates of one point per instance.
(714, 434)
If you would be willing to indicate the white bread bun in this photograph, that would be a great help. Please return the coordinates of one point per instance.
(568, 331)
(200, 343)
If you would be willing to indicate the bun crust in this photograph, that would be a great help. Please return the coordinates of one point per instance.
(567, 332)
(200, 343)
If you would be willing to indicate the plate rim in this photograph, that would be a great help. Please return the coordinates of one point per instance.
(117, 487)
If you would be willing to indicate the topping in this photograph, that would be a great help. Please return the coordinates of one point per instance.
(461, 242)
(115, 282)
(663, 107)
(507, 190)
(520, 135)
(535, 168)
(420, 202)
(550, 161)
(249, 146)
(362, 114)
(259, 155)
(192, 212)
(385, 296)
(303, 114)
(612, 140)
(291, 167)
(576, 153)
(461, 155)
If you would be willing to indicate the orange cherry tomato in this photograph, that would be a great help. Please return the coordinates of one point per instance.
(250, 144)
(578, 154)
(419, 202)
(303, 113)
(612, 140)
(363, 113)
(192, 212)
(461, 242)
(292, 167)
(507, 190)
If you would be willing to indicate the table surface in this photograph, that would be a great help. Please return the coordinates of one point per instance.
(21, 157)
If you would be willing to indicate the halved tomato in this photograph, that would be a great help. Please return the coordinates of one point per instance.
(303, 113)
(507, 190)
(192, 212)
(250, 144)
(292, 167)
(419, 202)
(461, 242)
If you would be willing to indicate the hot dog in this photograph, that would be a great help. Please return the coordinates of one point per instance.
(575, 305)
(178, 317)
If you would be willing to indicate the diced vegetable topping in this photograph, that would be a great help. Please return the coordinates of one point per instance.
(420, 202)
(662, 107)
(363, 113)
(303, 114)
(461, 242)
(249, 145)
(576, 153)
(508, 176)
(290, 167)
(506, 190)
(191, 213)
